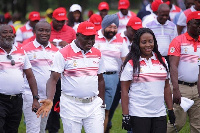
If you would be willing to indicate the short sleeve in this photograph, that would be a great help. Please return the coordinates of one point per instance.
(127, 73)
(182, 20)
(101, 66)
(174, 48)
(19, 37)
(124, 50)
(58, 63)
(27, 63)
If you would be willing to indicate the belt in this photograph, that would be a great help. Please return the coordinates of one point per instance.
(188, 84)
(108, 73)
(10, 96)
(80, 100)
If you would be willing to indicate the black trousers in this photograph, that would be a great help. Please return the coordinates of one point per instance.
(10, 114)
(53, 122)
(149, 124)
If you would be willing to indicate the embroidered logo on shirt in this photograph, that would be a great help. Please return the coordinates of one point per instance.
(172, 49)
(185, 50)
(75, 63)
(34, 56)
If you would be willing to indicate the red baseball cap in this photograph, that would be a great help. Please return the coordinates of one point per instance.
(155, 4)
(96, 20)
(123, 4)
(103, 5)
(193, 15)
(86, 28)
(34, 16)
(135, 23)
(60, 14)
(7, 15)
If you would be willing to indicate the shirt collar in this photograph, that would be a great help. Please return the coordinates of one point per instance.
(28, 27)
(128, 15)
(37, 44)
(64, 28)
(166, 23)
(173, 8)
(152, 57)
(12, 50)
(100, 35)
(192, 8)
(188, 37)
(77, 49)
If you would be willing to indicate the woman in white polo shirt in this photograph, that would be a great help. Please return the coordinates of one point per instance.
(145, 87)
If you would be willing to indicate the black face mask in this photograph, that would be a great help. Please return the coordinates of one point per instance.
(107, 34)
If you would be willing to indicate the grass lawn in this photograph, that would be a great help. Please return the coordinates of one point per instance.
(116, 121)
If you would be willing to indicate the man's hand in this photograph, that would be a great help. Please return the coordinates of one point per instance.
(176, 96)
(45, 108)
(126, 124)
(35, 105)
(172, 117)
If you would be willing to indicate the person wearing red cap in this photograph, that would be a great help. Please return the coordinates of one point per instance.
(81, 68)
(59, 30)
(103, 8)
(61, 35)
(25, 31)
(124, 14)
(164, 30)
(181, 24)
(96, 20)
(8, 18)
(184, 51)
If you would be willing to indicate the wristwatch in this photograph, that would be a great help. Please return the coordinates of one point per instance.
(36, 97)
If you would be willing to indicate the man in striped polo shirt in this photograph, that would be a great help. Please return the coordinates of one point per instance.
(184, 51)
(164, 30)
(81, 69)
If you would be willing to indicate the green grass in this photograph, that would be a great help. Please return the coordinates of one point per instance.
(116, 127)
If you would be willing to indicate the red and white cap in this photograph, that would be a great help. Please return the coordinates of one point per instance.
(34, 16)
(60, 14)
(86, 28)
(193, 15)
(135, 23)
(103, 5)
(123, 4)
(96, 20)
(155, 4)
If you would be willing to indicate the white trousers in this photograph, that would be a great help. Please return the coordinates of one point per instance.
(74, 115)
(33, 124)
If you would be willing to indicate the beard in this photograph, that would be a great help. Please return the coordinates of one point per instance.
(108, 34)
(7, 43)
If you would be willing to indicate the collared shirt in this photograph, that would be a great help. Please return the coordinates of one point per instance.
(41, 59)
(144, 11)
(188, 50)
(66, 34)
(146, 94)
(183, 17)
(164, 34)
(148, 19)
(78, 70)
(126, 40)
(173, 11)
(112, 51)
(24, 32)
(11, 77)
(123, 20)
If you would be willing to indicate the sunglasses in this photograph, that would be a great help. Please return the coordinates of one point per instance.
(10, 58)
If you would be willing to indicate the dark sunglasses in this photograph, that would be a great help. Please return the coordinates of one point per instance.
(10, 58)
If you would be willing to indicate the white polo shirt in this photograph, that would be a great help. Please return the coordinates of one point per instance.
(41, 59)
(123, 20)
(146, 94)
(78, 70)
(164, 34)
(24, 32)
(11, 77)
(112, 51)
